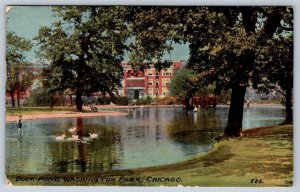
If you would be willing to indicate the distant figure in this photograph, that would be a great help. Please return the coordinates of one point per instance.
(19, 124)
(248, 103)
(93, 108)
(195, 109)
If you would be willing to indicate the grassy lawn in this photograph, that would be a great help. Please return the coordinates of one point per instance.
(263, 157)
(36, 110)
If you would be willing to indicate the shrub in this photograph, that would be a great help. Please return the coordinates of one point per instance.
(103, 100)
(115, 100)
(40, 97)
(120, 100)
(168, 100)
(142, 101)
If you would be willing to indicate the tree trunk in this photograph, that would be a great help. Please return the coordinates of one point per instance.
(18, 98)
(71, 100)
(288, 107)
(235, 116)
(79, 83)
(246, 60)
(51, 101)
(187, 103)
(12, 99)
(78, 100)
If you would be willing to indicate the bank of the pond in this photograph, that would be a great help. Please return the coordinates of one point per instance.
(64, 115)
(61, 114)
(263, 157)
(31, 113)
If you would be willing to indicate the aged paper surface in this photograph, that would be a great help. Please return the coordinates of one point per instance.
(215, 110)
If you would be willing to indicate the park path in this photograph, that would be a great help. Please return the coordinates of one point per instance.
(64, 115)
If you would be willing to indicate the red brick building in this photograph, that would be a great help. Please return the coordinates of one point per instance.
(149, 82)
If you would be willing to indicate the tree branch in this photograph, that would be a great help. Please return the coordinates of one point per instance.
(286, 28)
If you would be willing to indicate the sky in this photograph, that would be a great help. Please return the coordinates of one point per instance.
(25, 22)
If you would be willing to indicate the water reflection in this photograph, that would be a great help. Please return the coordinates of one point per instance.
(146, 137)
(84, 155)
(196, 128)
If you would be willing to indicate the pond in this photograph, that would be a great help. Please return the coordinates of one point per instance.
(145, 137)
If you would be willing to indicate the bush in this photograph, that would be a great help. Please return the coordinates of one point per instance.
(224, 96)
(120, 100)
(40, 97)
(168, 100)
(115, 100)
(103, 100)
(142, 101)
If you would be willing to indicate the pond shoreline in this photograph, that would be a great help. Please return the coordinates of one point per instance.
(105, 110)
(232, 162)
(63, 114)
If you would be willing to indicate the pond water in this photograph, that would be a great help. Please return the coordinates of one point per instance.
(146, 137)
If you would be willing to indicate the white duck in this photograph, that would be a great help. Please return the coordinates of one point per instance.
(72, 130)
(75, 137)
(61, 137)
(93, 135)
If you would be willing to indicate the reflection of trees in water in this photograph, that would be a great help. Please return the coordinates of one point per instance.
(103, 153)
(141, 115)
(157, 133)
(20, 157)
(26, 154)
(195, 128)
(97, 155)
(262, 116)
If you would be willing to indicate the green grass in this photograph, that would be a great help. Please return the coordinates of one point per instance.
(36, 110)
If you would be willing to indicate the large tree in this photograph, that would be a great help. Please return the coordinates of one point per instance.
(223, 42)
(277, 69)
(183, 86)
(18, 75)
(87, 45)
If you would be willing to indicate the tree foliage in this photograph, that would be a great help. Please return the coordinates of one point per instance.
(277, 69)
(18, 77)
(223, 42)
(86, 46)
(182, 85)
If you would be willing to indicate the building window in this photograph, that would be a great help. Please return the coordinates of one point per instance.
(150, 81)
(150, 91)
(157, 82)
(150, 73)
(157, 74)
(166, 81)
(168, 72)
(165, 91)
